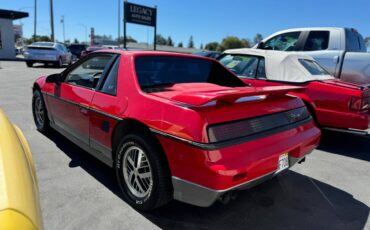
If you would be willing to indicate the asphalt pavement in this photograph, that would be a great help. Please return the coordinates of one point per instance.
(331, 190)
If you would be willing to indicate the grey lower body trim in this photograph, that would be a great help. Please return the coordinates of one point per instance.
(104, 157)
(198, 195)
(352, 131)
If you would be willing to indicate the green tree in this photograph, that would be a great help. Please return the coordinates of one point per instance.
(180, 45)
(258, 38)
(169, 41)
(212, 46)
(160, 40)
(76, 40)
(191, 42)
(247, 43)
(231, 42)
(128, 39)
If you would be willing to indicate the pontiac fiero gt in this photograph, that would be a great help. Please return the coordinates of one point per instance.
(174, 125)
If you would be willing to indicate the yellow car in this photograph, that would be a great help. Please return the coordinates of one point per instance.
(19, 200)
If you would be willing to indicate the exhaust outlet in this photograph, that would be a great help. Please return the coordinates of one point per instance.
(227, 197)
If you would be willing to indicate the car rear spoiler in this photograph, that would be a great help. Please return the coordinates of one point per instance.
(202, 99)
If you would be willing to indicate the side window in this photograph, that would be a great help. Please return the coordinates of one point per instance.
(244, 65)
(284, 42)
(312, 67)
(110, 83)
(261, 71)
(88, 73)
(317, 40)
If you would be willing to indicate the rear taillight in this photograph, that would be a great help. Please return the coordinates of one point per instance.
(361, 103)
(248, 127)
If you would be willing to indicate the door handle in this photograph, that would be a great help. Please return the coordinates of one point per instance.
(83, 111)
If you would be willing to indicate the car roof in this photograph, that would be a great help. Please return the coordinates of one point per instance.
(280, 65)
(150, 53)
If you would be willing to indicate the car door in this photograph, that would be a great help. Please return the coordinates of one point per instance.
(106, 107)
(70, 105)
(316, 45)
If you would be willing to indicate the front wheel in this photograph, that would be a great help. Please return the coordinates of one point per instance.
(39, 112)
(142, 173)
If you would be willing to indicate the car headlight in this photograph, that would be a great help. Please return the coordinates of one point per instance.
(244, 128)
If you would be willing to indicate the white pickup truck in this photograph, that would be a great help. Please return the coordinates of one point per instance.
(341, 51)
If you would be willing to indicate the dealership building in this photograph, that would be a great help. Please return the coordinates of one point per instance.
(7, 38)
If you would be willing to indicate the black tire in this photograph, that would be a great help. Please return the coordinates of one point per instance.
(161, 191)
(44, 125)
(59, 63)
(29, 64)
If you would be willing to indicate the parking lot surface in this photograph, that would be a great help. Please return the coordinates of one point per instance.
(331, 190)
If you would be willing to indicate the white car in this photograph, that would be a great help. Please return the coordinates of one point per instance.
(47, 53)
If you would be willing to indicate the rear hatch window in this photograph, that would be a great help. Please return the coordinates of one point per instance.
(161, 71)
(354, 41)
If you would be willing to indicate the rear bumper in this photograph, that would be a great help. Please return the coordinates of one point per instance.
(41, 59)
(195, 194)
(200, 176)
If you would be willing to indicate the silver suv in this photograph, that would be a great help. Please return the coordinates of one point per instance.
(47, 53)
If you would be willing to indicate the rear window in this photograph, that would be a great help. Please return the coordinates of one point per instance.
(312, 67)
(317, 40)
(354, 41)
(161, 71)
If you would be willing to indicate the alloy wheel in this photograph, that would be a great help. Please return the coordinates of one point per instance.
(39, 111)
(137, 172)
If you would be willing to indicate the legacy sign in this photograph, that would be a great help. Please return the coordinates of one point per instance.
(139, 14)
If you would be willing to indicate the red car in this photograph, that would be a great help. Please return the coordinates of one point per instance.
(174, 125)
(334, 104)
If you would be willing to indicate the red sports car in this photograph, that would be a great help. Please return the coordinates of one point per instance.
(174, 125)
(334, 104)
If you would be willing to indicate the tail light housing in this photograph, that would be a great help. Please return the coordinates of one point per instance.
(361, 103)
(238, 129)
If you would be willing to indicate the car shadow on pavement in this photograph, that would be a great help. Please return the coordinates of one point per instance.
(346, 144)
(289, 201)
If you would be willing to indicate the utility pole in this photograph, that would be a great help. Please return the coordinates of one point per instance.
(119, 21)
(64, 34)
(34, 22)
(52, 21)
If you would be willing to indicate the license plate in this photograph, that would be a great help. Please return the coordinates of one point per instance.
(283, 162)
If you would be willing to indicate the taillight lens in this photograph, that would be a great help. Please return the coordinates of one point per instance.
(237, 129)
(360, 103)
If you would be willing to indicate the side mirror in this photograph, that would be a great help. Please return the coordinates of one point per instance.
(54, 78)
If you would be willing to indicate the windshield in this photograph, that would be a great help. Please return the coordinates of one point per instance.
(164, 71)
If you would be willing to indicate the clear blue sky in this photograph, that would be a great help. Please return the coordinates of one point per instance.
(206, 20)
